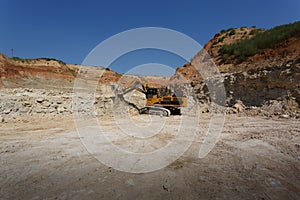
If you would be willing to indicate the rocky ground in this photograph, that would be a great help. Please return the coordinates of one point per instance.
(42, 155)
(255, 158)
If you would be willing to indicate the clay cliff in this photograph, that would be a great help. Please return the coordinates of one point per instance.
(51, 73)
(44, 73)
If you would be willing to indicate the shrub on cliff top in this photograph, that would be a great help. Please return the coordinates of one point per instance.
(268, 39)
(32, 59)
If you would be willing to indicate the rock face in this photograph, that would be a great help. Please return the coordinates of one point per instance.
(267, 83)
(39, 73)
(261, 88)
(256, 87)
(19, 101)
(45, 73)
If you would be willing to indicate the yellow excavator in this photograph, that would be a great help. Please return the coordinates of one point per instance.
(156, 102)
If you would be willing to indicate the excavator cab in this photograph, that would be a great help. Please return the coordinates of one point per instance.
(150, 92)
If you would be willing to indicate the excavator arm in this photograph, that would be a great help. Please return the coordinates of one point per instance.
(134, 86)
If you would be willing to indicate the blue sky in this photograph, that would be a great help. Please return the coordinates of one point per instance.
(69, 30)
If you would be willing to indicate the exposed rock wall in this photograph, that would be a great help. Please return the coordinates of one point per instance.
(18, 101)
(267, 83)
(256, 87)
(269, 90)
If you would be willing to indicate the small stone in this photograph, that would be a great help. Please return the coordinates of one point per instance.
(51, 110)
(24, 110)
(239, 106)
(60, 109)
(130, 182)
(284, 116)
(47, 104)
(26, 104)
(29, 90)
(7, 111)
(40, 100)
(1, 119)
(38, 111)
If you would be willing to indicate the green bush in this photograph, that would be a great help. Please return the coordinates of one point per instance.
(17, 58)
(72, 71)
(243, 27)
(49, 59)
(232, 32)
(32, 59)
(215, 42)
(255, 31)
(260, 41)
(221, 39)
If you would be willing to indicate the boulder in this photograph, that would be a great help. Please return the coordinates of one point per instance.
(137, 98)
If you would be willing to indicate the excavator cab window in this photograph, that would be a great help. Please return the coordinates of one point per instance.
(151, 92)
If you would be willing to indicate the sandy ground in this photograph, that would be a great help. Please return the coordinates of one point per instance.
(255, 158)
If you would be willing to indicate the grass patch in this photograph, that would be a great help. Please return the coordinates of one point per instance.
(37, 59)
(232, 32)
(261, 40)
(72, 71)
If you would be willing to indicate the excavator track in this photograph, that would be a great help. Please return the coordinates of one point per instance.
(153, 110)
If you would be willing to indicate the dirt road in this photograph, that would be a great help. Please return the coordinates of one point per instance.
(255, 158)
